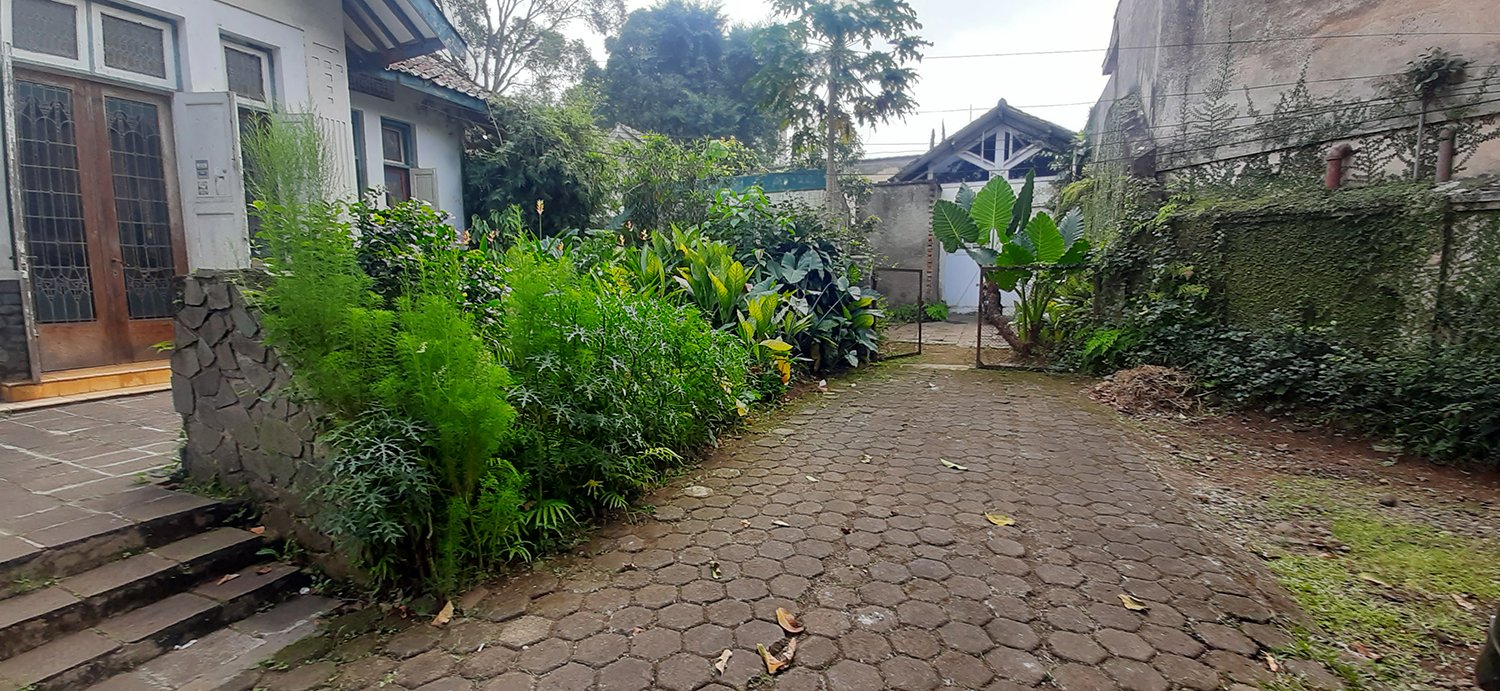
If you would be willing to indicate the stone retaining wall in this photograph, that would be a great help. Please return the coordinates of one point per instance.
(246, 434)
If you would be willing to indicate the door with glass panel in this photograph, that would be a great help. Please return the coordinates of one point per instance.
(100, 212)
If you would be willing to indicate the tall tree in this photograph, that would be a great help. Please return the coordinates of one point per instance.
(677, 69)
(520, 44)
(551, 160)
(837, 65)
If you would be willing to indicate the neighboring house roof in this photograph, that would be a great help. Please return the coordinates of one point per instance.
(430, 76)
(1050, 134)
(882, 167)
(388, 31)
(626, 133)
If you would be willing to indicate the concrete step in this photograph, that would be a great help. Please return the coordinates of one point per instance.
(129, 639)
(146, 518)
(78, 602)
(230, 658)
(76, 382)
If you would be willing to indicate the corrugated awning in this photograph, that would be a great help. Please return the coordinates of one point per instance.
(388, 31)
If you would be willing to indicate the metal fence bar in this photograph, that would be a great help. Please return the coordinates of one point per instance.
(921, 280)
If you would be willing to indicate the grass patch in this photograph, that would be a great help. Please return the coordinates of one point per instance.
(1393, 591)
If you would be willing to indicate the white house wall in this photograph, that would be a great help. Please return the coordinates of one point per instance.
(438, 143)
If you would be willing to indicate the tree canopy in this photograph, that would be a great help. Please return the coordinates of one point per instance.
(520, 46)
(836, 65)
(678, 69)
(552, 154)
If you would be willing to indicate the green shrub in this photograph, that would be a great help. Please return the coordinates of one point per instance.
(552, 154)
(909, 313)
(1435, 400)
(609, 384)
(1439, 402)
(822, 285)
(395, 245)
(411, 393)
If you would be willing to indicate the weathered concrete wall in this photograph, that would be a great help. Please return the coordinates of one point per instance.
(1176, 53)
(245, 432)
(903, 237)
(15, 360)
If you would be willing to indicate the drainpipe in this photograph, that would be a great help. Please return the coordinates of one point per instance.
(1337, 158)
(1445, 154)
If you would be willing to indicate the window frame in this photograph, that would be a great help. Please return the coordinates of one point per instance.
(97, 11)
(81, 36)
(267, 73)
(361, 152)
(408, 147)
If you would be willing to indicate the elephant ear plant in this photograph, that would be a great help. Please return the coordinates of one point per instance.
(1032, 255)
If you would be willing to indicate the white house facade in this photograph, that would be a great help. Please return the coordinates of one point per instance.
(122, 166)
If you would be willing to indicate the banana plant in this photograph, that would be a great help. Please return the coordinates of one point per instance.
(1032, 253)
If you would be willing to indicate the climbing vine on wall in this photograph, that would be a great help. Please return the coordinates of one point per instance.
(1219, 143)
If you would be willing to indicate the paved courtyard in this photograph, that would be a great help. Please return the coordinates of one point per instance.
(82, 469)
(845, 513)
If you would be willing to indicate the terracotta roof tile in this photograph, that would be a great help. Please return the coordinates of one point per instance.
(436, 71)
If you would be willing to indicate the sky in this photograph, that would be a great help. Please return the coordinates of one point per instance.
(1033, 83)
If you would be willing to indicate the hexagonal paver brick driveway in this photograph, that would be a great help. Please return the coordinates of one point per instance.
(844, 512)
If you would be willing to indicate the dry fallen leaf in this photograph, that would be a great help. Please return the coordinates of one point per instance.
(776, 663)
(1272, 664)
(713, 569)
(788, 621)
(781, 523)
(227, 578)
(258, 530)
(1000, 519)
(811, 479)
(865, 458)
(744, 523)
(1133, 604)
(950, 464)
(1463, 602)
(444, 615)
(263, 570)
(723, 660)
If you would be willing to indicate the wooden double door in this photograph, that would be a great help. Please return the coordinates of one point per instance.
(99, 205)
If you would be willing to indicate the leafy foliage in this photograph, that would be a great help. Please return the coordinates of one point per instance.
(550, 161)
(608, 383)
(1257, 341)
(416, 358)
(665, 183)
(1032, 254)
(677, 69)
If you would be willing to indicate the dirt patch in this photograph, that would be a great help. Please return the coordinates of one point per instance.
(1395, 558)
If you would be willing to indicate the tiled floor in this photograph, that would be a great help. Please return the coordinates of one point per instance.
(83, 468)
(959, 330)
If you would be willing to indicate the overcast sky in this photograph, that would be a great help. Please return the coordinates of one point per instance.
(1034, 83)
